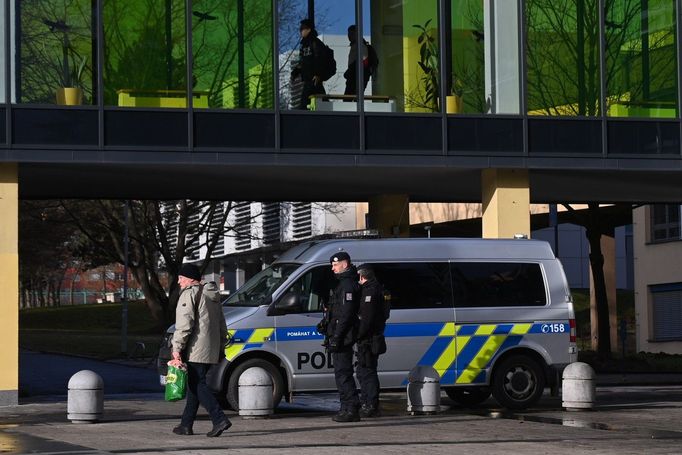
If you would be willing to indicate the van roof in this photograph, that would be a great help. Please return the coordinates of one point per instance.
(419, 249)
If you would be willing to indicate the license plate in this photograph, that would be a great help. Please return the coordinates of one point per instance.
(162, 379)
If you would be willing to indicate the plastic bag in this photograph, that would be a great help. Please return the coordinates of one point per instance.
(176, 384)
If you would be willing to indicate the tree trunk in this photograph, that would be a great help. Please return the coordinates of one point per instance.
(594, 234)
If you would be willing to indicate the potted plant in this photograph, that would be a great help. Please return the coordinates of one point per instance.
(454, 103)
(428, 62)
(71, 92)
(71, 65)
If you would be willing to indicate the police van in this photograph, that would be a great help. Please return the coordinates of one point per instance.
(489, 315)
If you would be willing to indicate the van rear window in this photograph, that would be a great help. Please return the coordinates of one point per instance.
(497, 284)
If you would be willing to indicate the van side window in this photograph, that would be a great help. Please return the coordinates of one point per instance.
(415, 284)
(314, 288)
(497, 284)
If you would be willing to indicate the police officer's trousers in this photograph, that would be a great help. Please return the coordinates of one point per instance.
(343, 373)
(367, 375)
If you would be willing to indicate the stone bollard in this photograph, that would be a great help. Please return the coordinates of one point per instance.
(85, 402)
(577, 391)
(423, 390)
(255, 393)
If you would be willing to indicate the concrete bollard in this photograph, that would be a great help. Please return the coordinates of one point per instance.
(577, 391)
(423, 390)
(255, 393)
(85, 402)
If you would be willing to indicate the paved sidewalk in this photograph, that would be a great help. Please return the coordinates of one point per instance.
(627, 420)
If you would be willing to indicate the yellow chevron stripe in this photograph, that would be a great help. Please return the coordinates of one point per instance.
(260, 335)
(446, 358)
(448, 330)
(520, 329)
(486, 329)
(232, 350)
(481, 359)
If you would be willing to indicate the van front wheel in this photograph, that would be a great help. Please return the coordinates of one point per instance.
(518, 382)
(232, 392)
(468, 396)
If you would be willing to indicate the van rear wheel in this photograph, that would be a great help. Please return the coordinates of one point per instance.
(468, 396)
(518, 382)
(232, 392)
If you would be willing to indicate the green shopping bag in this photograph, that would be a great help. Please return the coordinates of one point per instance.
(176, 384)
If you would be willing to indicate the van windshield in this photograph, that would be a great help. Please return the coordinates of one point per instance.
(256, 291)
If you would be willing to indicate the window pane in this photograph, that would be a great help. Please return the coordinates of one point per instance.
(484, 284)
(415, 285)
(483, 75)
(667, 313)
(313, 54)
(144, 53)
(54, 52)
(641, 58)
(314, 288)
(405, 36)
(232, 51)
(3, 77)
(562, 57)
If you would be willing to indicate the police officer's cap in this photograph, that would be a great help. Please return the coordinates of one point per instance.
(340, 256)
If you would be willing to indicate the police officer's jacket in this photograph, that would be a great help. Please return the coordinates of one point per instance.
(343, 309)
(200, 330)
(372, 311)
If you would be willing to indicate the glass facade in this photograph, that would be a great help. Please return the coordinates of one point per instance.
(550, 58)
(641, 58)
(54, 52)
(405, 36)
(232, 44)
(562, 57)
(145, 53)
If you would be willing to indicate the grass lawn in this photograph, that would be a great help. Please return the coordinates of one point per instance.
(89, 330)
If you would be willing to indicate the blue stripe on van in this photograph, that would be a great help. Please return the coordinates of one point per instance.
(297, 334)
(503, 329)
(242, 335)
(435, 351)
(548, 328)
(419, 329)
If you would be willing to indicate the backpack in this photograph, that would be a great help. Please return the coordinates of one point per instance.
(372, 59)
(328, 63)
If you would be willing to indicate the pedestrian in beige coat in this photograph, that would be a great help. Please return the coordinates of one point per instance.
(200, 335)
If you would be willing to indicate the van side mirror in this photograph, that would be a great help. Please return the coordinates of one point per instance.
(291, 302)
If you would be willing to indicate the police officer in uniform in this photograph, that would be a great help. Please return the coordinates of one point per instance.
(371, 343)
(341, 329)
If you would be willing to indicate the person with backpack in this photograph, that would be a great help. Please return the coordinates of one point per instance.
(373, 313)
(369, 59)
(200, 334)
(315, 65)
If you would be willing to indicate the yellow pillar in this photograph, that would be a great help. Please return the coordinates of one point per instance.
(506, 202)
(390, 215)
(9, 284)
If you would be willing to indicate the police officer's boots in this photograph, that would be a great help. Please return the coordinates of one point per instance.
(346, 415)
(370, 410)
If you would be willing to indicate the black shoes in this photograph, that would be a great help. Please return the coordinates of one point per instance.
(346, 416)
(183, 430)
(369, 411)
(218, 429)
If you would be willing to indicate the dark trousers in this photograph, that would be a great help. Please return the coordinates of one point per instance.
(309, 88)
(367, 376)
(343, 373)
(199, 393)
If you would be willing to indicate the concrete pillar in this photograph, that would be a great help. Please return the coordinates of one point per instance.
(506, 203)
(608, 249)
(9, 284)
(390, 215)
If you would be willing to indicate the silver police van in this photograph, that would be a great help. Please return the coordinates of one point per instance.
(490, 316)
